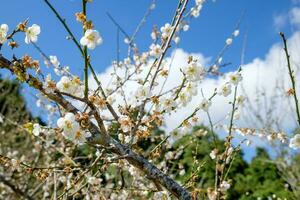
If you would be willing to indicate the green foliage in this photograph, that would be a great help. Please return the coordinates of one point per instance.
(260, 178)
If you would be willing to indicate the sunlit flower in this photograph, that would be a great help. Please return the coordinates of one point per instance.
(168, 104)
(191, 89)
(54, 61)
(205, 104)
(194, 72)
(3, 33)
(229, 41)
(224, 186)
(68, 123)
(236, 33)
(36, 129)
(71, 129)
(240, 100)
(91, 39)
(295, 142)
(49, 85)
(225, 90)
(166, 31)
(65, 85)
(143, 92)
(235, 77)
(125, 123)
(199, 2)
(183, 98)
(31, 34)
(155, 50)
(71, 86)
(195, 11)
(213, 154)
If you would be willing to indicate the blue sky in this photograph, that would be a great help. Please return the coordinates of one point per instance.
(207, 33)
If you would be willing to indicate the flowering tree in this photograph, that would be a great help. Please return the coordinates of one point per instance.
(107, 127)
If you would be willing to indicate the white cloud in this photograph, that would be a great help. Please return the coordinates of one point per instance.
(262, 75)
(279, 21)
(294, 15)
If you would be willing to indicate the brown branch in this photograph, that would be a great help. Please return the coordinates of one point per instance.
(101, 138)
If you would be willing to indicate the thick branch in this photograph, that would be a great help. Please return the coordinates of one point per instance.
(100, 137)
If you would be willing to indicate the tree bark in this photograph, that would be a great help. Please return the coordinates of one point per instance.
(152, 172)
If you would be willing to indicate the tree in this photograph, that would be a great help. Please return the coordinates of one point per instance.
(100, 148)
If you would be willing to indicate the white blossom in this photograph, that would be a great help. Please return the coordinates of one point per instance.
(155, 50)
(54, 61)
(199, 2)
(186, 27)
(194, 72)
(205, 104)
(183, 98)
(224, 186)
(213, 154)
(31, 34)
(167, 104)
(143, 92)
(166, 31)
(195, 11)
(36, 129)
(295, 142)
(71, 86)
(235, 78)
(229, 41)
(91, 39)
(71, 128)
(236, 33)
(125, 123)
(191, 89)
(225, 90)
(3, 33)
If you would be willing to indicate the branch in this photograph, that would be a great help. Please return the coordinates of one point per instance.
(99, 136)
(291, 76)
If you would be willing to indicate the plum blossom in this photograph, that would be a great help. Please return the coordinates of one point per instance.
(236, 33)
(213, 154)
(225, 90)
(229, 41)
(194, 72)
(168, 104)
(91, 39)
(54, 61)
(295, 142)
(224, 186)
(184, 98)
(166, 31)
(36, 129)
(191, 89)
(71, 128)
(3, 33)
(126, 123)
(71, 86)
(205, 104)
(155, 50)
(143, 92)
(31, 34)
(235, 78)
